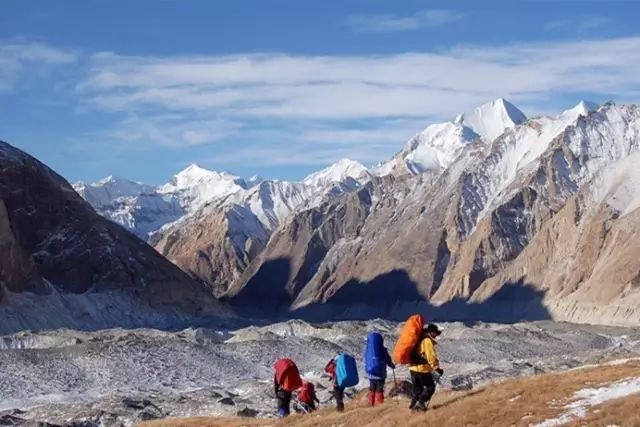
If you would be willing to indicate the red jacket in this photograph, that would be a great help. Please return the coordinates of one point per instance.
(331, 369)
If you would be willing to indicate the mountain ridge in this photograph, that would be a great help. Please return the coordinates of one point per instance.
(457, 231)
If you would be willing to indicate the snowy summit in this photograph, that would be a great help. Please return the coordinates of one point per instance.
(337, 172)
(492, 119)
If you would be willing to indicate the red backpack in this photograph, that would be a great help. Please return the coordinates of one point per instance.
(306, 393)
(287, 375)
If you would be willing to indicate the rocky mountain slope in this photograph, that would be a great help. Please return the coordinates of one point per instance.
(61, 264)
(213, 224)
(509, 227)
(491, 214)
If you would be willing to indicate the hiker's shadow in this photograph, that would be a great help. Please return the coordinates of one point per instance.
(457, 399)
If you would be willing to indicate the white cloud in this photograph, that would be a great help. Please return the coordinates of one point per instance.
(350, 87)
(393, 23)
(16, 57)
(300, 109)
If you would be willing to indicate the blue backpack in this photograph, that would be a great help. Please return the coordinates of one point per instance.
(375, 356)
(346, 371)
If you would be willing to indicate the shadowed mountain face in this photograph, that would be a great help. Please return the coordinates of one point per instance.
(52, 242)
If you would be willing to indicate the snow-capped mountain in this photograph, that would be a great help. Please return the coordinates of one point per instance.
(194, 186)
(468, 211)
(530, 222)
(492, 119)
(341, 171)
(105, 191)
(437, 146)
(145, 209)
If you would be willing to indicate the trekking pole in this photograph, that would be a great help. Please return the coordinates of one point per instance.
(395, 386)
(300, 405)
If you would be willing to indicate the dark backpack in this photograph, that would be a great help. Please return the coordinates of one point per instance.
(416, 357)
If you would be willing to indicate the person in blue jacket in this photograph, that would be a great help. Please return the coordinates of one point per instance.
(377, 359)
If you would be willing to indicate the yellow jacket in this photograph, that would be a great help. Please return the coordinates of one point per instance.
(427, 351)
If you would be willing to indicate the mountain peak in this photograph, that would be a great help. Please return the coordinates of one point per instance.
(194, 170)
(337, 172)
(490, 120)
(194, 173)
(114, 180)
(583, 108)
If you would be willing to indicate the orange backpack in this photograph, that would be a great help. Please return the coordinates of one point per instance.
(287, 375)
(408, 339)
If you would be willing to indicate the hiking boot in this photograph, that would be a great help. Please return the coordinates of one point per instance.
(372, 398)
(419, 407)
(378, 397)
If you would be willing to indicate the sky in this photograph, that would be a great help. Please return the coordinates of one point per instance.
(280, 88)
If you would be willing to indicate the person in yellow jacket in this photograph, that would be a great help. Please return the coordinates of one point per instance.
(424, 365)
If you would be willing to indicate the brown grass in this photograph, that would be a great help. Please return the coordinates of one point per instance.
(514, 402)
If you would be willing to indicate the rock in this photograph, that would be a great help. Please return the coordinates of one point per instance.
(461, 382)
(401, 388)
(247, 412)
(10, 420)
(227, 401)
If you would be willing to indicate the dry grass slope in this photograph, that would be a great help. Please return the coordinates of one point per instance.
(514, 402)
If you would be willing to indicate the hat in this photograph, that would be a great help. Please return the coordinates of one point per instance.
(432, 328)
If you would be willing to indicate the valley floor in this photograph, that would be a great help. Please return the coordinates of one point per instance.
(121, 377)
(604, 395)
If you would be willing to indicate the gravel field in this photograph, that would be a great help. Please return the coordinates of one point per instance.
(118, 377)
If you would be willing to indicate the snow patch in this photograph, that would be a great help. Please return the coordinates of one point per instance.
(589, 397)
(619, 185)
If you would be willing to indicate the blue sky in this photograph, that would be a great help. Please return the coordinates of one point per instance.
(142, 88)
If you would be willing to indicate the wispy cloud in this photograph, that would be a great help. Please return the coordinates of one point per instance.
(392, 23)
(351, 87)
(15, 57)
(172, 130)
(279, 108)
(579, 24)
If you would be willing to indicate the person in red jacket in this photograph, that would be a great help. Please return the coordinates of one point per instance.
(338, 392)
(307, 397)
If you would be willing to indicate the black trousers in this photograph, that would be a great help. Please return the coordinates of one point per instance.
(423, 387)
(376, 385)
(338, 394)
(284, 401)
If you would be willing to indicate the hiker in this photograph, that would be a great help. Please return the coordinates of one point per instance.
(307, 397)
(338, 392)
(343, 373)
(285, 380)
(376, 358)
(423, 367)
